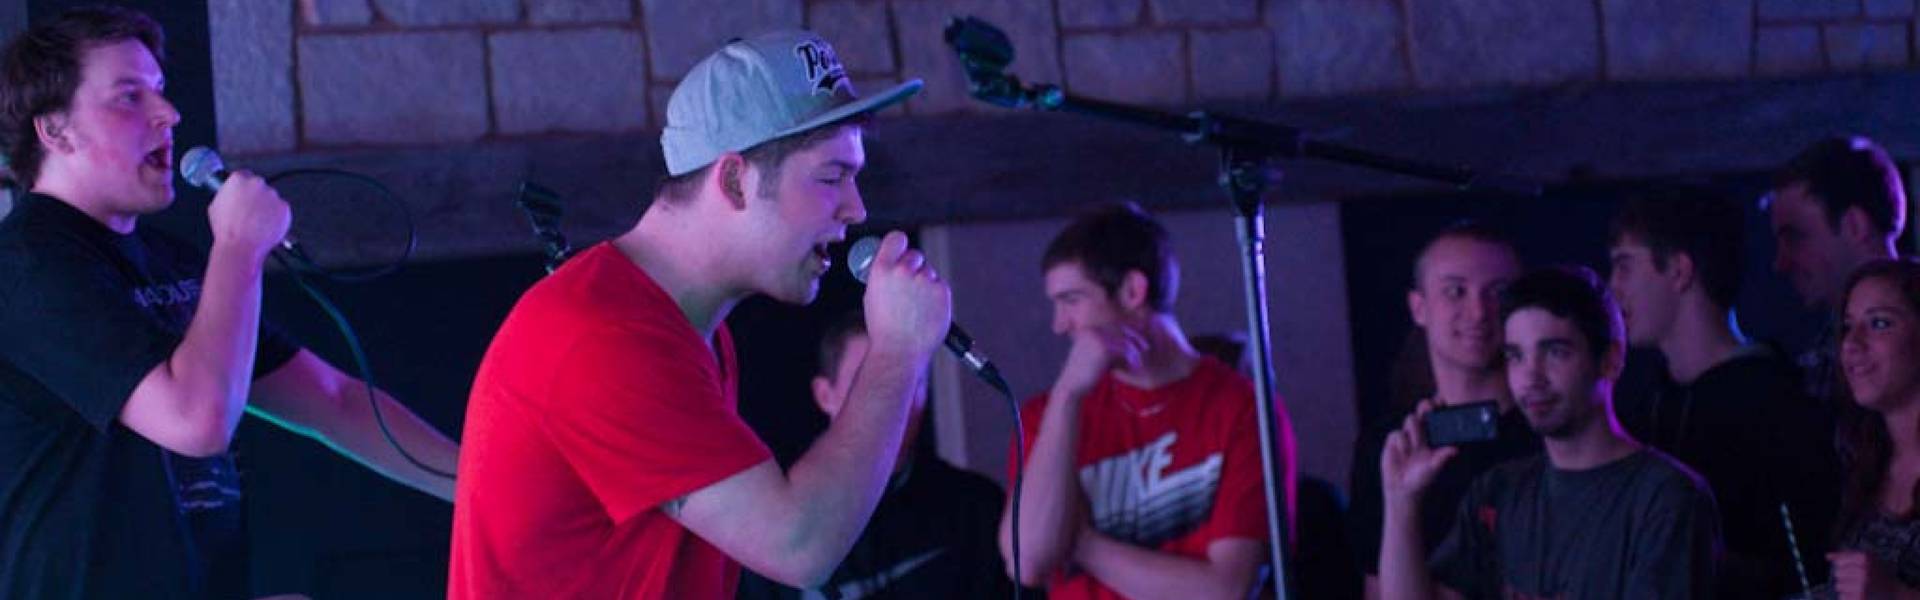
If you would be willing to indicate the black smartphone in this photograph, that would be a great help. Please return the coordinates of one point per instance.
(1463, 424)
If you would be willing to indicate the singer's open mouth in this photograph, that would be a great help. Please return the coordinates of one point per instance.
(161, 158)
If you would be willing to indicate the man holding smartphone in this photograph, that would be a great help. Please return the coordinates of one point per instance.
(1455, 302)
(1598, 516)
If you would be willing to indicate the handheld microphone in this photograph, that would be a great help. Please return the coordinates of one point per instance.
(202, 167)
(860, 260)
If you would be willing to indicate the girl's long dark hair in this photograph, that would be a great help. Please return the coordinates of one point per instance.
(1865, 444)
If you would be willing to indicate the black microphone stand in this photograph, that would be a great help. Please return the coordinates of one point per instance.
(1246, 147)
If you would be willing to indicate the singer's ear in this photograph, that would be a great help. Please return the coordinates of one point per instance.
(52, 130)
(1133, 290)
(825, 397)
(728, 173)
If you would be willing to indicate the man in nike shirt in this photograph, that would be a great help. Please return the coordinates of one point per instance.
(1143, 478)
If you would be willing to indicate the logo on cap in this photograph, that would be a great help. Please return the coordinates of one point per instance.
(823, 68)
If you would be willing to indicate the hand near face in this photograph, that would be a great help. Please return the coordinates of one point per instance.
(248, 214)
(908, 307)
(1096, 350)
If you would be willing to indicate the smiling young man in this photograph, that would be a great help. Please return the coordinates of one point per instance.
(127, 357)
(1732, 410)
(606, 456)
(1597, 516)
(1143, 478)
(1455, 301)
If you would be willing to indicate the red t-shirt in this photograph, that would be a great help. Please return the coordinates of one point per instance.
(596, 403)
(1174, 468)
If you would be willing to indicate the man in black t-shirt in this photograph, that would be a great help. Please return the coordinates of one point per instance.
(932, 535)
(1598, 516)
(1732, 410)
(126, 359)
(1454, 300)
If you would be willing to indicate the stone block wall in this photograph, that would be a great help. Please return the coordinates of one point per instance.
(294, 75)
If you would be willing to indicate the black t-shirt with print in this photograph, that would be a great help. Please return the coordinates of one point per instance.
(88, 508)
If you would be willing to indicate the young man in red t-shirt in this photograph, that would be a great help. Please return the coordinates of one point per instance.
(1144, 475)
(606, 457)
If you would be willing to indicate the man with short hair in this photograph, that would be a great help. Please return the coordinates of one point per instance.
(1455, 303)
(127, 357)
(1837, 205)
(1731, 409)
(933, 533)
(606, 457)
(1143, 477)
(1597, 516)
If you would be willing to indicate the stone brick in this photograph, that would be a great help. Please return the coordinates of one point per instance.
(1660, 39)
(393, 88)
(1475, 43)
(859, 32)
(1890, 8)
(252, 47)
(418, 13)
(572, 80)
(1774, 10)
(1334, 47)
(1099, 13)
(579, 11)
(1787, 50)
(1234, 64)
(681, 32)
(1136, 67)
(1201, 12)
(924, 52)
(327, 13)
(1853, 47)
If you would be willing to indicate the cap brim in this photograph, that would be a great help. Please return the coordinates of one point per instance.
(892, 96)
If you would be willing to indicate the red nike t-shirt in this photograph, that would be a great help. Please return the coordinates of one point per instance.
(596, 403)
(1172, 469)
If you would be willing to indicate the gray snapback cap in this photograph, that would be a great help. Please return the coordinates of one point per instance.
(759, 89)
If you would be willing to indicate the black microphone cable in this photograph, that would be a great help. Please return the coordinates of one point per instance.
(1019, 483)
(294, 259)
(360, 361)
(339, 184)
(202, 167)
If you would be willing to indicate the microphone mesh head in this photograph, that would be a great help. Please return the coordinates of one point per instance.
(860, 257)
(199, 166)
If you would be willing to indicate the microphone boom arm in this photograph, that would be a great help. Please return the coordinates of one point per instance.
(985, 53)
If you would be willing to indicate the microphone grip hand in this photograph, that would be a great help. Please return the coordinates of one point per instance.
(908, 306)
(247, 214)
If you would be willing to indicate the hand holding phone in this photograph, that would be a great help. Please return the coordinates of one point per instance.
(1463, 424)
